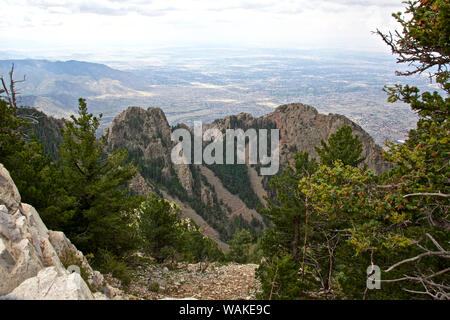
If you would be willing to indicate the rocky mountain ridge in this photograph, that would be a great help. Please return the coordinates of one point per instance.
(202, 194)
(34, 260)
(302, 127)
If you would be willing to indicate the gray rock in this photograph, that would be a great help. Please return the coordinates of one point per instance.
(9, 195)
(21, 255)
(34, 219)
(30, 254)
(6, 259)
(65, 248)
(52, 284)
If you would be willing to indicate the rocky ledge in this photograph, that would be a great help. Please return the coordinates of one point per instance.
(33, 258)
(201, 281)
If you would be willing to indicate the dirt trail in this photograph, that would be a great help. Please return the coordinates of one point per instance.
(217, 282)
(238, 211)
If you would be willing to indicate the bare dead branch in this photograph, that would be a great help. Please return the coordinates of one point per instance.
(444, 254)
(430, 194)
(11, 91)
(388, 187)
(435, 242)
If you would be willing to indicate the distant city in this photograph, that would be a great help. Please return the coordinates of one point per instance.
(206, 84)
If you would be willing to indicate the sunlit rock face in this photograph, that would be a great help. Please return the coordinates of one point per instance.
(30, 255)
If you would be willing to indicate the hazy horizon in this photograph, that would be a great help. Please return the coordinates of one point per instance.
(61, 29)
(208, 59)
(173, 56)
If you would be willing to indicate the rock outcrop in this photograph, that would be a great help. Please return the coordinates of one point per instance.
(302, 127)
(9, 195)
(147, 135)
(52, 284)
(33, 258)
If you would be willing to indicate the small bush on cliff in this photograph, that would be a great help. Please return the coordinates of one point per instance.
(69, 258)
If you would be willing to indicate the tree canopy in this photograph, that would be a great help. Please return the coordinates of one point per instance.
(342, 145)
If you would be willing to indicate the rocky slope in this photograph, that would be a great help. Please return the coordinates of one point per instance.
(33, 259)
(236, 205)
(196, 281)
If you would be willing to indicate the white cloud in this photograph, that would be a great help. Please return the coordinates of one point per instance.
(103, 23)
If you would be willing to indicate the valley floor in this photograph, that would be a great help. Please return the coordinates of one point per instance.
(195, 281)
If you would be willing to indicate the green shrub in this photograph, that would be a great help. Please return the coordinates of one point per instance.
(153, 286)
(279, 279)
(159, 227)
(106, 262)
(198, 248)
(240, 247)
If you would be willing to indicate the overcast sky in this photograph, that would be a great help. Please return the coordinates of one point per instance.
(98, 25)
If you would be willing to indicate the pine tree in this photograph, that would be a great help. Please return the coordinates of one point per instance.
(399, 221)
(342, 145)
(420, 179)
(94, 200)
(287, 212)
(24, 158)
(240, 246)
(159, 227)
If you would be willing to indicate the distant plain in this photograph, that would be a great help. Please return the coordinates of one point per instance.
(192, 84)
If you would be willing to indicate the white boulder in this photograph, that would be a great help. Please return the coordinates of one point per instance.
(52, 284)
(32, 257)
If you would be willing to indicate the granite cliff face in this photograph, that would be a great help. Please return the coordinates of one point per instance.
(145, 134)
(302, 127)
(32, 258)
